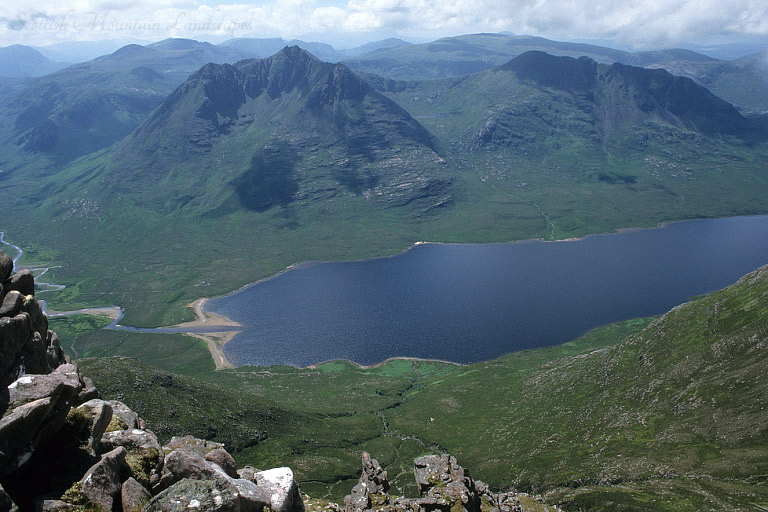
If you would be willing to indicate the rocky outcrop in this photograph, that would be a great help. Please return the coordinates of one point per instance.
(444, 486)
(100, 456)
(26, 344)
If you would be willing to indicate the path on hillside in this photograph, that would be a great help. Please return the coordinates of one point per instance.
(535, 204)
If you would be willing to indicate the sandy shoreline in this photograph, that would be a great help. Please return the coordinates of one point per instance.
(214, 340)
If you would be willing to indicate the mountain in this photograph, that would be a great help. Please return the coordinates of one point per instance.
(291, 127)
(23, 61)
(89, 106)
(650, 414)
(461, 55)
(83, 51)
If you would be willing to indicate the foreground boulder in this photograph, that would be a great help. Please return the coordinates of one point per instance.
(37, 406)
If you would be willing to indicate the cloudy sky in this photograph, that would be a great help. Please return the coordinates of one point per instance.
(640, 24)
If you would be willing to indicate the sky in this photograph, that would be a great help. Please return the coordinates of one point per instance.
(640, 24)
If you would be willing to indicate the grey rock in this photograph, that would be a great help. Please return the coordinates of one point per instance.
(198, 495)
(53, 506)
(186, 463)
(247, 473)
(101, 484)
(283, 491)
(6, 503)
(224, 460)
(64, 384)
(6, 266)
(11, 305)
(14, 333)
(252, 497)
(100, 414)
(37, 318)
(54, 356)
(134, 496)
(34, 354)
(372, 486)
(129, 418)
(90, 392)
(38, 406)
(23, 282)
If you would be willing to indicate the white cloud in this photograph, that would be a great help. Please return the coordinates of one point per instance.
(642, 23)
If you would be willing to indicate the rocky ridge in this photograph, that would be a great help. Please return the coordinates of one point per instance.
(63, 448)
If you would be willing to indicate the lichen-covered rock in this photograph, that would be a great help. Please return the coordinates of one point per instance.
(129, 418)
(100, 414)
(224, 460)
(145, 455)
(197, 495)
(54, 506)
(247, 473)
(134, 496)
(371, 487)
(101, 484)
(440, 476)
(283, 491)
(200, 446)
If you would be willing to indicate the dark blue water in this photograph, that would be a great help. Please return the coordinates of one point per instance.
(474, 302)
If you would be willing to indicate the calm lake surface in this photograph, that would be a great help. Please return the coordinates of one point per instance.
(473, 302)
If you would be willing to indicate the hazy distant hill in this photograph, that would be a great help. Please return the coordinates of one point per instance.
(264, 47)
(742, 82)
(23, 61)
(375, 46)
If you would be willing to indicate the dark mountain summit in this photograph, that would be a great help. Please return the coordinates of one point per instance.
(538, 95)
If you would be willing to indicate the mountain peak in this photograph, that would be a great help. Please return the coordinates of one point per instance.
(563, 73)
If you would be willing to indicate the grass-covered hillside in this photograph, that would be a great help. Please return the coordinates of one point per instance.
(656, 414)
